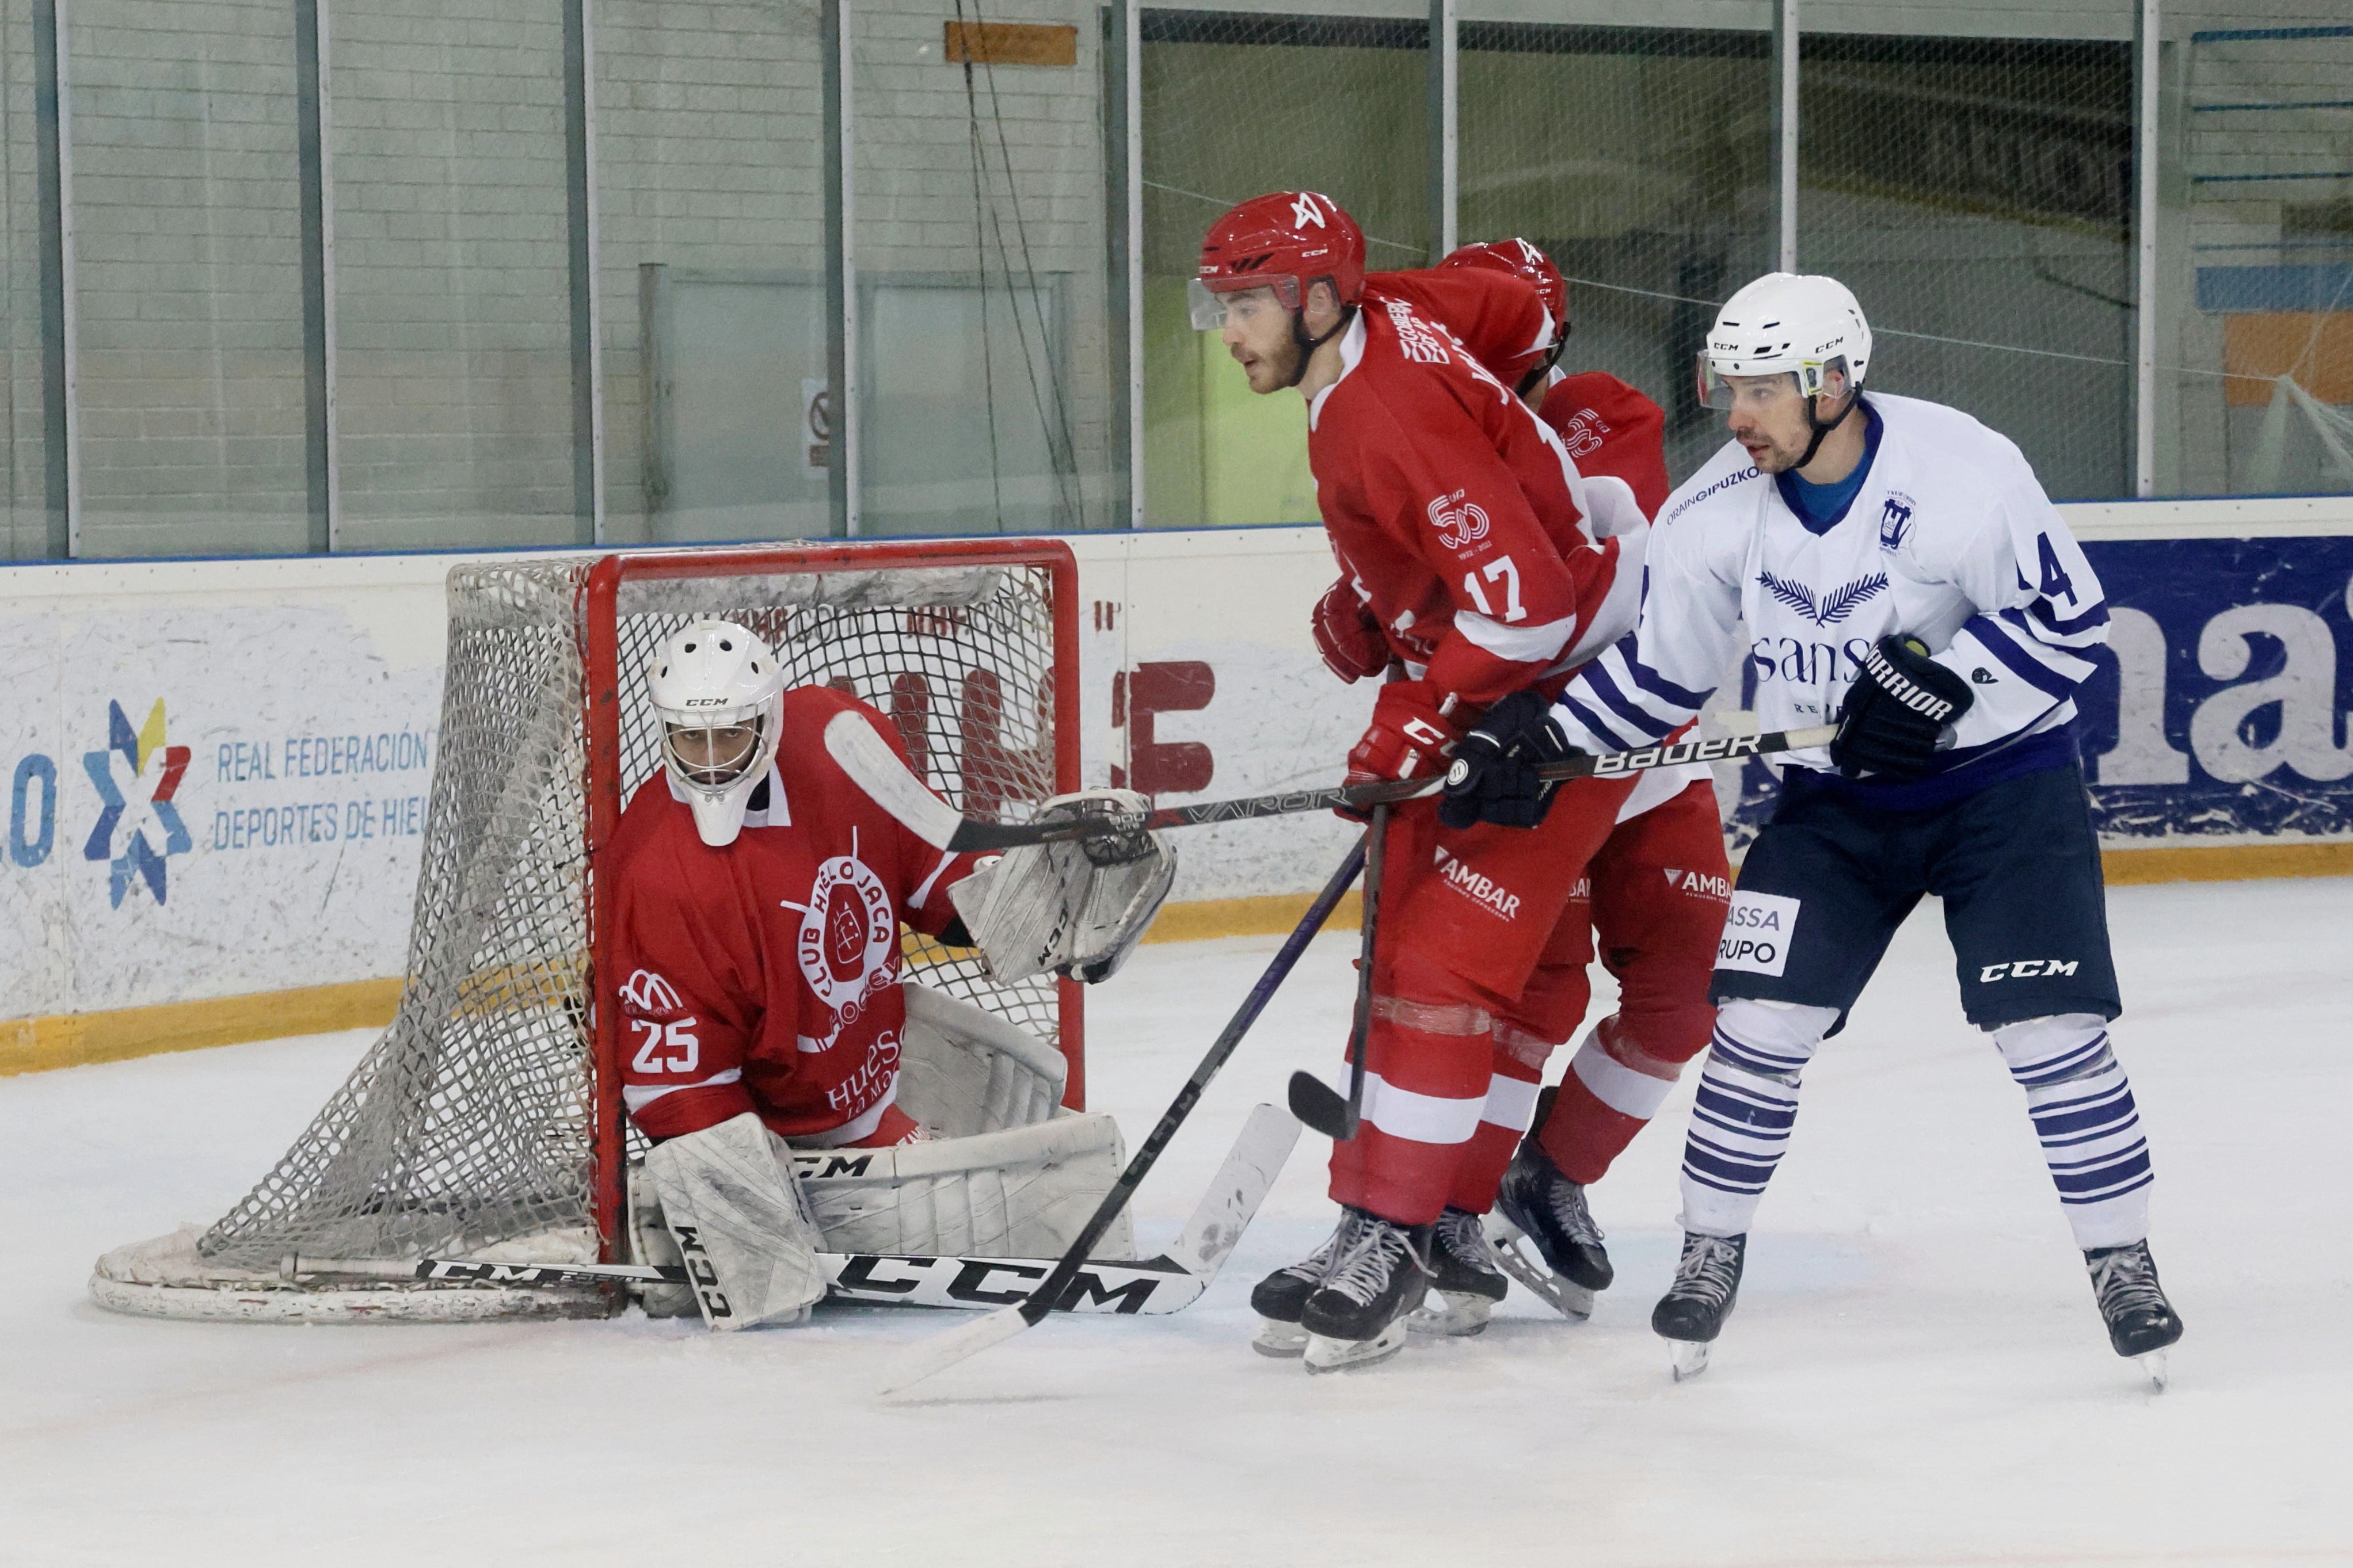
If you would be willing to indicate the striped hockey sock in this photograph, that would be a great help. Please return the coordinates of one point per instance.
(2084, 1115)
(1747, 1104)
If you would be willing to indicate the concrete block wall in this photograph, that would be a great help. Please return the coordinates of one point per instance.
(452, 272)
(187, 261)
(24, 496)
(709, 157)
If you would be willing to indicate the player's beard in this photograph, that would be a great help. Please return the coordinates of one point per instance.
(1276, 369)
(1774, 458)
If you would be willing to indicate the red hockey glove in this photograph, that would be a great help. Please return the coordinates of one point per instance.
(1347, 636)
(1410, 734)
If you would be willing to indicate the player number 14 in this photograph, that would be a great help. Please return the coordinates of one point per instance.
(1498, 570)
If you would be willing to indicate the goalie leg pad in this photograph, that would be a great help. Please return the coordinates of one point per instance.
(1077, 909)
(651, 1242)
(742, 1225)
(1026, 1192)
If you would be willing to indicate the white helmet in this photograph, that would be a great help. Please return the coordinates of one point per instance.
(1802, 323)
(720, 695)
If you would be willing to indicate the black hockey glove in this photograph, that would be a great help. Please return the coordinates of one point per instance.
(1494, 778)
(1896, 710)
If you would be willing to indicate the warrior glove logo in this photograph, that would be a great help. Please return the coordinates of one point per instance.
(1460, 523)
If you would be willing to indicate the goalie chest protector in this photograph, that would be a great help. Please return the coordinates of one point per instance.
(764, 975)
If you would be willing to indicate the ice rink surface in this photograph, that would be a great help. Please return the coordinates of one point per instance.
(1914, 1374)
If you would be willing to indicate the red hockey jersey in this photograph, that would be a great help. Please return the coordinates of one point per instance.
(764, 975)
(1499, 317)
(1455, 510)
(1607, 428)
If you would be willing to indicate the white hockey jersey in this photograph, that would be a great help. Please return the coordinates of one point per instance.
(1949, 539)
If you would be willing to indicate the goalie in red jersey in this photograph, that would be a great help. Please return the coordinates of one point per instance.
(1488, 562)
(763, 879)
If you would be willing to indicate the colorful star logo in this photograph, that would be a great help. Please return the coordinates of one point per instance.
(140, 800)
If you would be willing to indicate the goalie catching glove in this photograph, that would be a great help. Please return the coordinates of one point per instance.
(1076, 909)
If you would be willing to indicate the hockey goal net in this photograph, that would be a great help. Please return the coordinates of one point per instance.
(486, 1124)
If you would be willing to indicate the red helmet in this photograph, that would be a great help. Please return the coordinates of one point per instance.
(1521, 259)
(1284, 240)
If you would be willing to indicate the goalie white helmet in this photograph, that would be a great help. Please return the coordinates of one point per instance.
(1801, 323)
(720, 695)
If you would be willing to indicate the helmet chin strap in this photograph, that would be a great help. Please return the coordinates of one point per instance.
(1307, 345)
(1820, 430)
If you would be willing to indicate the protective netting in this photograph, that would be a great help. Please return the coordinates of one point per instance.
(1236, 105)
(468, 1124)
(1977, 195)
(1640, 159)
(2255, 244)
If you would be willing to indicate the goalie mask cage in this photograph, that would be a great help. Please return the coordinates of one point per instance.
(486, 1121)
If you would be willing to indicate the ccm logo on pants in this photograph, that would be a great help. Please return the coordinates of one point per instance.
(2027, 969)
(1757, 932)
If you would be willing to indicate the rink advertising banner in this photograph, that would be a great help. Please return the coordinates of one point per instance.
(219, 773)
(2219, 714)
(205, 802)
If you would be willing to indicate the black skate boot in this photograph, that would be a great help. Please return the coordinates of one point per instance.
(2141, 1321)
(1379, 1274)
(1536, 1200)
(1692, 1312)
(1464, 1275)
(1279, 1298)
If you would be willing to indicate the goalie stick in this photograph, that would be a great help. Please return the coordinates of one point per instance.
(947, 1349)
(1169, 1283)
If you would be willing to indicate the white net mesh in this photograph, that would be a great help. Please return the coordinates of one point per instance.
(469, 1125)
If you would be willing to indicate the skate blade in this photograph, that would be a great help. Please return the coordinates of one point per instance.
(1456, 1314)
(1571, 1300)
(1281, 1340)
(2154, 1364)
(1339, 1355)
(1689, 1359)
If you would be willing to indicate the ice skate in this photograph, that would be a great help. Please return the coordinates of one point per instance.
(1466, 1282)
(1278, 1298)
(1540, 1206)
(2141, 1322)
(1692, 1314)
(1379, 1274)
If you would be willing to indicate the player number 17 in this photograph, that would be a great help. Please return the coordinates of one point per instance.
(1499, 569)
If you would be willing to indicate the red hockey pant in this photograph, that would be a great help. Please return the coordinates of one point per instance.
(1467, 919)
(1455, 1059)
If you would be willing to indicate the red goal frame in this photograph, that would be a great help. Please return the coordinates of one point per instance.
(598, 610)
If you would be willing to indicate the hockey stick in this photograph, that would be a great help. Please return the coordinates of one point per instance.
(968, 835)
(945, 1349)
(1167, 1283)
(1312, 1099)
